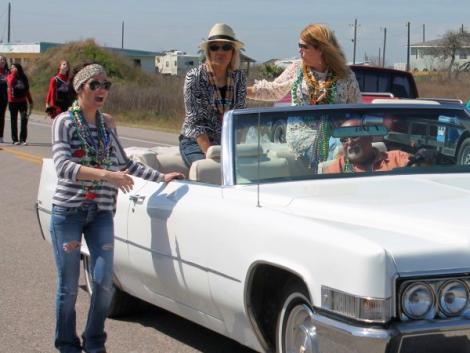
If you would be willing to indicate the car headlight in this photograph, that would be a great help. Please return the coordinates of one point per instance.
(418, 301)
(355, 307)
(453, 297)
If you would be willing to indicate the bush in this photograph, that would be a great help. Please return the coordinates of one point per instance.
(136, 97)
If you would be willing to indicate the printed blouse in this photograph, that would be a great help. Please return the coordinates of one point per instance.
(201, 114)
(347, 89)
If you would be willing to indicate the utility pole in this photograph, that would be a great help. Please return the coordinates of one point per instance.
(9, 16)
(408, 50)
(380, 49)
(122, 35)
(355, 41)
(424, 32)
(385, 44)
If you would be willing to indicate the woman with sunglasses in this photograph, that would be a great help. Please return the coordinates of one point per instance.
(210, 90)
(321, 76)
(91, 166)
(60, 95)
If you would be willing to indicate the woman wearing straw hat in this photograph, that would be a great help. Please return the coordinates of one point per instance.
(210, 90)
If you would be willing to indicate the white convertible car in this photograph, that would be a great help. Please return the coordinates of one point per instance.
(353, 235)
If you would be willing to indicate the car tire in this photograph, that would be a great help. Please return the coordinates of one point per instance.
(295, 329)
(463, 157)
(122, 304)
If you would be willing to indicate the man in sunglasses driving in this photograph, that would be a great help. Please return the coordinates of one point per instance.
(361, 156)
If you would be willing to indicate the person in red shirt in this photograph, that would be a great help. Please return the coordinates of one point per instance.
(3, 93)
(19, 101)
(60, 95)
(360, 156)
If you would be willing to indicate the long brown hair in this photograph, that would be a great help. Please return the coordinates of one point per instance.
(320, 36)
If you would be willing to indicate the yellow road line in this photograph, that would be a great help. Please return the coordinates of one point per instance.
(24, 155)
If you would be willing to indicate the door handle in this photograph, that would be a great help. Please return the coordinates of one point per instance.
(137, 198)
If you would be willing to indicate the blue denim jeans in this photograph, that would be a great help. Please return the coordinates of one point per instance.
(67, 226)
(190, 150)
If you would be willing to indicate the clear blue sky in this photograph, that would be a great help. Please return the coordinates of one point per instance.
(269, 28)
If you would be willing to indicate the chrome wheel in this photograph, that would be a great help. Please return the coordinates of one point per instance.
(296, 331)
(300, 333)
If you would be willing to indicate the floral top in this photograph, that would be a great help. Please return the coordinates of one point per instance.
(347, 89)
(201, 116)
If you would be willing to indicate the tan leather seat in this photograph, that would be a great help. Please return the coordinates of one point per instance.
(163, 159)
(208, 170)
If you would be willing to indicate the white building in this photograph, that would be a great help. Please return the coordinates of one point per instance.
(175, 63)
(423, 56)
(26, 52)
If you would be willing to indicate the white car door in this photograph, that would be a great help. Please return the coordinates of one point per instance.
(166, 243)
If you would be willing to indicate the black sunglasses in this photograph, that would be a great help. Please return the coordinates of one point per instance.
(225, 47)
(94, 85)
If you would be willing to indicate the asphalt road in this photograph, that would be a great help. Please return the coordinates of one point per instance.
(27, 270)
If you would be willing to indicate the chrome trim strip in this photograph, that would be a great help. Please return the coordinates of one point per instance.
(441, 272)
(227, 150)
(178, 259)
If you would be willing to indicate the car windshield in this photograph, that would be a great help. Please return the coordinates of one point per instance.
(349, 142)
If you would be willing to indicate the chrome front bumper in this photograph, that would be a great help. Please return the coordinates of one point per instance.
(452, 335)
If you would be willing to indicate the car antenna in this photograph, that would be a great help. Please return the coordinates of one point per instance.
(259, 157)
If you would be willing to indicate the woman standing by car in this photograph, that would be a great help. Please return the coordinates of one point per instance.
(210, 90)
(321, 76)
(19, 101)
(60, 95)
(3, 93)
(91, 166)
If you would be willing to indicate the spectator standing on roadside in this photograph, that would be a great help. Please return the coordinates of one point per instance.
(210, 90)
(19, 101)
(91, 166)
(60, 95)
(3, 93)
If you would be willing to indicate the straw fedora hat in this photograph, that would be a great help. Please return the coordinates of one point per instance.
(221, 32)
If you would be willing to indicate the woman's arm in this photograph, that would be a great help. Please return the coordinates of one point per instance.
(275, 90)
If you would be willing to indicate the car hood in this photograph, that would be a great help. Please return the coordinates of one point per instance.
(423, 222)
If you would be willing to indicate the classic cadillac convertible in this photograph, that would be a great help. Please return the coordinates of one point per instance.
(353, 235)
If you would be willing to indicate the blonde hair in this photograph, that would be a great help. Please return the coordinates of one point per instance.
(322, 37)
(234, 63)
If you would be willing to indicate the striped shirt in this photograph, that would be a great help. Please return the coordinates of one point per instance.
(70, 192)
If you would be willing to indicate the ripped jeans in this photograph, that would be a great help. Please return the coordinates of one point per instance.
(67, 226)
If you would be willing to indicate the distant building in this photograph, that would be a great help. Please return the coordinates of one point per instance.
(175, 62)
(27, 52)
(423, 56)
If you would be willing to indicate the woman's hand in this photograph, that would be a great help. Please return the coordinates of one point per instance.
(173, 175)
(121, 180)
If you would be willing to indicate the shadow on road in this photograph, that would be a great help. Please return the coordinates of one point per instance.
(186, 331)
(182, 330)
